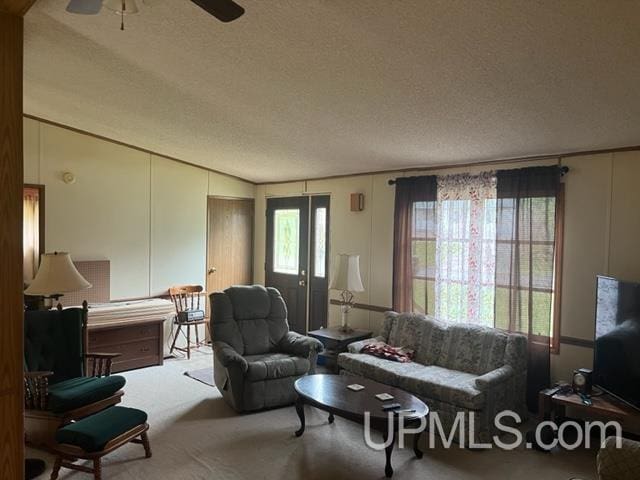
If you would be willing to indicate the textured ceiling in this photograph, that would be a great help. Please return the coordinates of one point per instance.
(308, 88)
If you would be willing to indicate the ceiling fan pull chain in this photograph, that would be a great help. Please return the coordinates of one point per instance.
(124, 7)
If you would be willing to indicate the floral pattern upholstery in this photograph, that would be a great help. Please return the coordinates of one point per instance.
(466, 368)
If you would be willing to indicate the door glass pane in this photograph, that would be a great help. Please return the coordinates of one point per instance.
(286, 241)
(319, 255)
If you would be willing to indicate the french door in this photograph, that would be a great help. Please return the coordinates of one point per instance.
(297, 260)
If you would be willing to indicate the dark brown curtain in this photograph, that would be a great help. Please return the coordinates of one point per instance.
(525, 244)
(413, 242)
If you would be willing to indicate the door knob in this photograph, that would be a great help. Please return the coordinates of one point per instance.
(212, 270)
(302, 283)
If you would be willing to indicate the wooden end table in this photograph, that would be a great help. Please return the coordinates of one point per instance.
(335, 342)
(330, 393)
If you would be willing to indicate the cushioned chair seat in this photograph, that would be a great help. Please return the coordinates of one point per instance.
(94, 432)
(77, 392)
(275, 365)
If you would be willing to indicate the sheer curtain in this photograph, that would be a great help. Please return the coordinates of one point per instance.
(414, 243)
(525, 263)
(465, 248)
(31, 233)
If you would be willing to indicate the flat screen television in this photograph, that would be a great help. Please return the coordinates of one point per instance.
(616, 362)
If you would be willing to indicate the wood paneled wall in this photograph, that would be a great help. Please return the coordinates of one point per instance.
(11, 180)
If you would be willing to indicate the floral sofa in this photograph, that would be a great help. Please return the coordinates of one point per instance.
(476, 370)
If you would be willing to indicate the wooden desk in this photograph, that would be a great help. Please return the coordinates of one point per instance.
(140, 343)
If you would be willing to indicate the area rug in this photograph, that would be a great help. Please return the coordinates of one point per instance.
(204, 375)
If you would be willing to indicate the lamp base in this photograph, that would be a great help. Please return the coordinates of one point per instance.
(345, 328)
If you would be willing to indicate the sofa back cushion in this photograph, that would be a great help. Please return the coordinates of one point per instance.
(473, 348)
(422, 334)
(252, 319)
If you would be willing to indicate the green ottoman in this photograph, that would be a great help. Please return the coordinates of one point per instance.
(93, 437)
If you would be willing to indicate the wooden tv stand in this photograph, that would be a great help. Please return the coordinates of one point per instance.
(553, 406)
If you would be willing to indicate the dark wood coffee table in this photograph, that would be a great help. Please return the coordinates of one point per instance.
(330, 393)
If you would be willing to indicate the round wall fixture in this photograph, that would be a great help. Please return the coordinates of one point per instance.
(68, 178)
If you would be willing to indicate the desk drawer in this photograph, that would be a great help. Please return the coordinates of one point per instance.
(116, 336)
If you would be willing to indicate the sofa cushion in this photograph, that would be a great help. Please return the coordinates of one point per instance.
(450, 386)
(94, 432)
(472, 349)
(434, 336)
(378, 369)
(81, 391)
(275, 365)
(422, 334)
(407, 330)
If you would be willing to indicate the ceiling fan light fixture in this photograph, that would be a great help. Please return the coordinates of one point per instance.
(84, 7)
(122, 7)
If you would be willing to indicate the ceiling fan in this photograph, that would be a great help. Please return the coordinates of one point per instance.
(224, 10)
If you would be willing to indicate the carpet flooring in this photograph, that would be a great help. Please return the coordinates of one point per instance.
(194, 435)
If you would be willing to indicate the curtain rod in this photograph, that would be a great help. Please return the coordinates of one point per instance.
(563, 171)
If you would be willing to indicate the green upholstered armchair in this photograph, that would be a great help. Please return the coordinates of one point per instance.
(256, 358)
(62, 382)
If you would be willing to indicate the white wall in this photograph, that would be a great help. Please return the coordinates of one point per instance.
(143, 212)
(602, 225)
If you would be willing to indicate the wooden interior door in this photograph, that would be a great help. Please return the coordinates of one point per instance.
(287, 255)
(229, 243)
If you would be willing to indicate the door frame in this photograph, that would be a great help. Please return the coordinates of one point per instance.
(310, 248)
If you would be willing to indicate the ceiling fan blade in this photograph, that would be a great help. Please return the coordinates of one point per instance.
(223, 10)
(84, 7)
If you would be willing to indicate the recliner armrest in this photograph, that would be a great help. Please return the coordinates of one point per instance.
(493, 378)
(299, 345)
(227, 356)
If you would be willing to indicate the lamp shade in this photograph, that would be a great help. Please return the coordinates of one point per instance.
(57, 274)
(346, 274)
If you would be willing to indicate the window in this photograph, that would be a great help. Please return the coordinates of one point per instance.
(286, 239)
(320, 247)
(486, 255)
(32, 230)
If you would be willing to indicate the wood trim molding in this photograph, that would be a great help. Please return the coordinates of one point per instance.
(16, 7)
(11, 186)
(564, 340)
(134, 147)
(363, 306)
(577, 342)
(448, 166)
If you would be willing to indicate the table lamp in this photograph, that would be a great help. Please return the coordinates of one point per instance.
(346, 278)
(56, 276)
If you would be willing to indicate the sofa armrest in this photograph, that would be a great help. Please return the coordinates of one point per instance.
(355, 347)
(493, 378)
(618, 463)
(227, 356)
(300, 345)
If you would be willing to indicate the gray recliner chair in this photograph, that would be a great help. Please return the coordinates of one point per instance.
(256, 358)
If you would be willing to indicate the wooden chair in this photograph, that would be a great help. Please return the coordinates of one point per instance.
(62, 381)
(186, 298)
